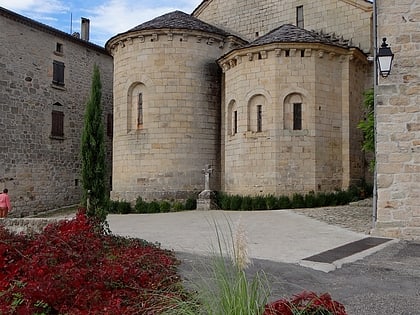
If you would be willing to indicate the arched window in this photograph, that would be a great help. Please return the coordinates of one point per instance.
(256, 116)
(232, 119)
(293, 112)
(135, 108)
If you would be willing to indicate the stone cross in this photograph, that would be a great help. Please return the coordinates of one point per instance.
(207, 171)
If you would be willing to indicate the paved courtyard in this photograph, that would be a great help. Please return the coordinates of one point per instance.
(382, 280)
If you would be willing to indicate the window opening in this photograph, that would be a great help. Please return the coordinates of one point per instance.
(59, 48)
(297, 116)
(259, 118)
(235, 122)
(109, 125)
(58, 73)
(299, 16)
(140, 109)
(57, 126)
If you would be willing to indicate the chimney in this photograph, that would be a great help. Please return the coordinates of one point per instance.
(85, 29)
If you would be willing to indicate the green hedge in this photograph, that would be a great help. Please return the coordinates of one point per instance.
(248, 203)
(141, 206)
(310, 200)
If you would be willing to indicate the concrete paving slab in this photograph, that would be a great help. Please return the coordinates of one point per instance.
(276, 235)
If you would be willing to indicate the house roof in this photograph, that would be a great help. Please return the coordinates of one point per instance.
(179, 20)
(289, 33)
(48, 29)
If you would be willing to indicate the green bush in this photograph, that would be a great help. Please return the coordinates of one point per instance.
(153, 207)
(246, 203)
(283, 202)
(298, 201)
(178, 206)
(322, 199)
(258, 203)
(112, 206)
(141, 206)
(235, 202)
(164, 206)
(124, 207)
(224, 202)
(271, 202)
(311, 200)
(191, 204)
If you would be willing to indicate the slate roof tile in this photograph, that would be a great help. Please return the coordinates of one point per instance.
(179, 20)
(289, 33)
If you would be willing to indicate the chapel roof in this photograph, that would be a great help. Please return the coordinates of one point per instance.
(289, 33)
(179, 20)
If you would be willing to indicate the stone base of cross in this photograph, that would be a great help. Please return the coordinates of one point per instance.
(206, 199)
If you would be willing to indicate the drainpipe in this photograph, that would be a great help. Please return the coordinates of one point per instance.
(375, 90)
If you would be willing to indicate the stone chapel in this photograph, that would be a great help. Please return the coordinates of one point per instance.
(269, 93)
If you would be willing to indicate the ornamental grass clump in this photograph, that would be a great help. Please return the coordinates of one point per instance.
(228, 289)
(71, 268)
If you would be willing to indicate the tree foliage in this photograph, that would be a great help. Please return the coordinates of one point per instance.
(93, 152)
(367, 125)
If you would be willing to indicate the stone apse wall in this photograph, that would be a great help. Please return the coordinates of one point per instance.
(42, 172)
(278, 159)
(398, 122)
(162, 153)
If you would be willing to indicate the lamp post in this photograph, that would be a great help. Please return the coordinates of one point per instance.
(384, 57)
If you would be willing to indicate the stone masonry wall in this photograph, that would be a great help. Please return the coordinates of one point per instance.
(177, 74)
(398, 122)
(280, 160)
(40, 171)
(251, 18)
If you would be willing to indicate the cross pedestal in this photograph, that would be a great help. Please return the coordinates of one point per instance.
(206, 199)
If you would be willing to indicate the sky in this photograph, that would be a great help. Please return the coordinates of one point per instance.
(107, 17)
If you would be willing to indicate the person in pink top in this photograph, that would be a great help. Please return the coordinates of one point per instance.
(5, 206)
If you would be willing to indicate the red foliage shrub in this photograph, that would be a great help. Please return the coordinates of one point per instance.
(72, 268)
(306, 303)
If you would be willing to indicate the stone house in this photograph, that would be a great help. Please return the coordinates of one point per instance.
(268, 93)
(45, 80)
(398, 122)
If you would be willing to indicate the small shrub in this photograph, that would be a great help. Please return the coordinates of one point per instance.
(235, 202)
(124, 207)
(246, 203)
(283, 202)
(258, 203)
(310, 200)
(164, 206)
(298, 201)
(191, 204)
(331, 199)
(112, 206)
(178, 206)
(153, 207)
(141, 206)
(225, 202)
(321, 199)
(306, 303)
(271, 202)
(71, 268)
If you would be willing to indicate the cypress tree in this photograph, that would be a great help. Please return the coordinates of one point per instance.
(93, 153)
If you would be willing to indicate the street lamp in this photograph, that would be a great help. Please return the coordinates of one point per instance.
(384, 57)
